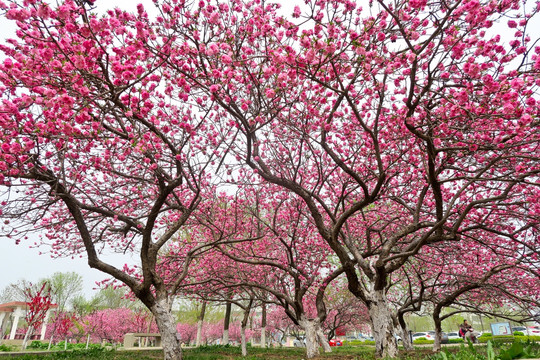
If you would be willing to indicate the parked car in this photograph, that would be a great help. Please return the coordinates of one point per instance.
(365, 338)
(534, 330)
(453, 336)
(430, 335)
(444, 336)
(424, 335)
(335, 342)
(522, 329)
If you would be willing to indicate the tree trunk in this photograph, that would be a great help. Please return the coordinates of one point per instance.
(243, 340)
(323, 340)
(438, 333)
(200, 324)
(27, 336)
(403, 331)
(383, 326)
(406, 339)
(310, 328)
(263, 326)
(226, 324)
(167, 328)
(247, 310)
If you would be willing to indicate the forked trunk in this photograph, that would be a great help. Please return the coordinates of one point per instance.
(383, 326)
(323, 340)
(310, 328)
(167, 328)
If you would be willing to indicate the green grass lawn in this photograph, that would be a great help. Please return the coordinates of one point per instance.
(220, 353)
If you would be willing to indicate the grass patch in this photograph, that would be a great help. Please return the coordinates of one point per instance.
(220, 353)
(346, 352)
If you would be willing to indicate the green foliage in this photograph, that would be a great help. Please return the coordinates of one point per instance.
(423, 341)
(218, 348)
(464, 353)
(94, 354)
(358, 342)
(189, 312)
(519, 349)
(4, 347)
(36, 344)
(526, 338)
(494, 351)
(490, 351)
(65, 286)
(518, 333)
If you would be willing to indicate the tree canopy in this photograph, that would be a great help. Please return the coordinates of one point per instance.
(395, 131)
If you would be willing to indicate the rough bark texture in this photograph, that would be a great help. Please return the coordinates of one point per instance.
(405, 339)
(312, 345)
(323, 340)
(402, 330)
(200, 324)
(167, 328)
(383, 326)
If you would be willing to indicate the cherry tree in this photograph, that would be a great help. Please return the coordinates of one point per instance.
(39, 302)
(400, 125)
(270, 251)
(112, 324)
(96, 153)
(188, 333)
(345, 312)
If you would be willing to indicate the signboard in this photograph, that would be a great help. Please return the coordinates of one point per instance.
(501, 329)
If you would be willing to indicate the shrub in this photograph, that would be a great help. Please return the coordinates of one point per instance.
(5, 347)
(423, 340)
(36, 344)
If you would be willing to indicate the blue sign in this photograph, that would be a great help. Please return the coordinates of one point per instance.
(501, 329)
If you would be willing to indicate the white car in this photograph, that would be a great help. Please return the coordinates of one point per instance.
(453, 336)
(424, 335)
(533, 330)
